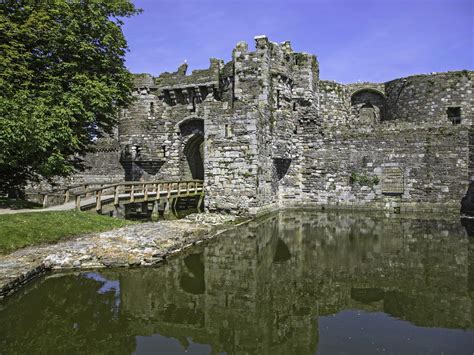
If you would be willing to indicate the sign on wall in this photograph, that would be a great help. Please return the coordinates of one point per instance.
(392, 181)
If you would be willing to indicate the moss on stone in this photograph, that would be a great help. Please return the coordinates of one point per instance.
(363, 180)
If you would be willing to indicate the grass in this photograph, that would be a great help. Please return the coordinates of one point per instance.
(25, 229)
(16, 204)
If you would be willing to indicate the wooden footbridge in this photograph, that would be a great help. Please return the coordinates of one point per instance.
(110, 199)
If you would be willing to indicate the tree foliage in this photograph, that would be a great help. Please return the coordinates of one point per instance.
(62, 81)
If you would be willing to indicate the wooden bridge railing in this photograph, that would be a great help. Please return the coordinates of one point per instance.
(66, 193)
(120, 191)
(145, 191)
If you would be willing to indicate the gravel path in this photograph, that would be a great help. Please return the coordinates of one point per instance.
(64, 207)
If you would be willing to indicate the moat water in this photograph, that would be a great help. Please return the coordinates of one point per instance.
(293, 283)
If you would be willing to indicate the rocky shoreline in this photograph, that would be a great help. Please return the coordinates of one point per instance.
(144, 244)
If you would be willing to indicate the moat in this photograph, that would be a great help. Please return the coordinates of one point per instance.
(291, 283)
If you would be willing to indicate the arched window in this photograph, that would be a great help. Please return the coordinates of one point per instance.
(368, 105)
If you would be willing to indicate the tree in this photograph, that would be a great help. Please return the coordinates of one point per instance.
(62, 82)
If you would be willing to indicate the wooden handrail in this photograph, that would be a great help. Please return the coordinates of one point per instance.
(141, 188)
(136, 183)
(116, 195)
(133, 188)
(63, 190)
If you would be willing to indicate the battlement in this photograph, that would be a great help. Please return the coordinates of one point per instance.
(179, 79)
(296, 70)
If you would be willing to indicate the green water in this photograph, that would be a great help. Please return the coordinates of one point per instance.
(294, 283)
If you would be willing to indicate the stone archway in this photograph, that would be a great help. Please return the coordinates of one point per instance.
(194, 153)
(191, 132)
(368, 105)
(369, 113)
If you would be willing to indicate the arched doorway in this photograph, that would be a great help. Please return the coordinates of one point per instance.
(194, 153)
(368, 113)
(191, 131)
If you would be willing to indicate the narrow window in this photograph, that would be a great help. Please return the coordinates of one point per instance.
(278, 99)
(152, 109)
(294, 106)
(167, 98)
(194, 104)
(228, 131)
(163, 148)
(454, 114)
(179, 96)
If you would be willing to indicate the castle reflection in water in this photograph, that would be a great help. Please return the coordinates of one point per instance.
(261, 289)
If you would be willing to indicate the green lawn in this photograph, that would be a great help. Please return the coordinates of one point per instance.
(24, 229)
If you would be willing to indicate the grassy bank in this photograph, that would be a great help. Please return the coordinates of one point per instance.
(25, 229)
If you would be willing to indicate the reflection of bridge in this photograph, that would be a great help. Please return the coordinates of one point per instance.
(112, 197)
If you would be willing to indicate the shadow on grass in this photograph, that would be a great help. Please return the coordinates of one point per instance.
(17, 204)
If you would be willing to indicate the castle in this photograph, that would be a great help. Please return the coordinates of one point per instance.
(263, 131)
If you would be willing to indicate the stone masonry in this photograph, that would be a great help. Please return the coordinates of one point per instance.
(263, 131)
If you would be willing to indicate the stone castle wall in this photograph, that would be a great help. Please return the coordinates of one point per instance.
(262, 130)
(369, 132)
(353, 168)
(428, 97)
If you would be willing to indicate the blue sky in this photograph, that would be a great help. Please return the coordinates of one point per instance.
(366, 40)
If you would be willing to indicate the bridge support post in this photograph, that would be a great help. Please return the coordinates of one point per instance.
(78, 202)
(119, 211)
(200, 203)
(175, 206)
(45, 200)
(155, 215)
(168, 213)
(144, 207)
(166, 210)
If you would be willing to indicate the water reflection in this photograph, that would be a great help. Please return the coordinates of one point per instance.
(281, 286)
(107, 286)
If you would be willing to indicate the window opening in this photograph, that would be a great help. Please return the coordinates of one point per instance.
(454, 114)
(228, 131)
(152, 109)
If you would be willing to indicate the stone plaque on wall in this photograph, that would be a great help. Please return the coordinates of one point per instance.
(392, 181)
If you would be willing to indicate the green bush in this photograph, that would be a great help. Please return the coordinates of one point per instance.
(364, 180)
